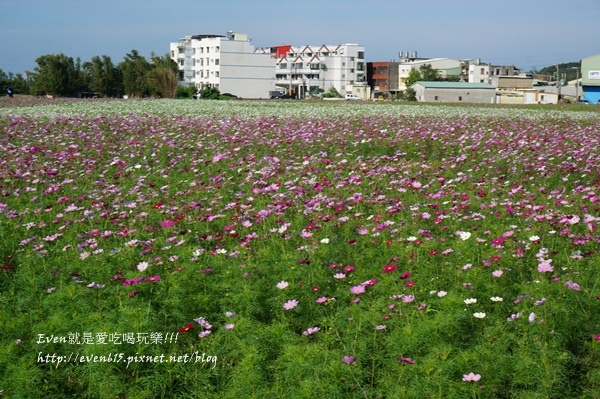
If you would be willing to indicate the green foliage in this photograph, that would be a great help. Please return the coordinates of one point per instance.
(225, 206)
(564, 68)
(57, 75)
(134, 69)
(332, 93)
(210, 93)
(102, 76)
(185, 91)
(18, 83)
(164, 82)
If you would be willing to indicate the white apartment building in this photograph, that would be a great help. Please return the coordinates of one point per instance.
(485, 73)
(229, 63)
(300, 70)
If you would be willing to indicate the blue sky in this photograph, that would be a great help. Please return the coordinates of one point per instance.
(524, 33)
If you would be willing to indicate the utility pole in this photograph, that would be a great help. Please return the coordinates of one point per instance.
(558, 80)
(576, 84)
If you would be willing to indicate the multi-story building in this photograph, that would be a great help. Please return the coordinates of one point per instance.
(486, 73)
(383, 77)
(306, 69)
(229, 63)
(590, 78)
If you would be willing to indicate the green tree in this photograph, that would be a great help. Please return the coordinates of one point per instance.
(163, 77)
(164, 82)
(102, 76)
(56, 74)
(19, 84)
(429, 73)
(413, 77)
(134, 69)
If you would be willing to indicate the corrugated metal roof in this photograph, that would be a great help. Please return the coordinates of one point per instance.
(454, 85)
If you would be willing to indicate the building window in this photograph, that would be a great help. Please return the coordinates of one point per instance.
(482, 71)
(216, 61)
(216, 49)
(435, 98)
(216, 74)
(459, 98)
(361, 55)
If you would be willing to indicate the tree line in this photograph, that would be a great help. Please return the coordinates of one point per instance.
(63, 76)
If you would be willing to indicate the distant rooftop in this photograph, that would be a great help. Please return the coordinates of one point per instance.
(454, 85)
(200, 37)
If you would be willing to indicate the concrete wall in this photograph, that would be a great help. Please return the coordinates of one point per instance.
(454, 95)
(540, 98)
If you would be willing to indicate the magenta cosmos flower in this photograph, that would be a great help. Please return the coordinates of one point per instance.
(167, 223)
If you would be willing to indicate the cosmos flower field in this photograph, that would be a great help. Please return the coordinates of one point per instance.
(172, 248)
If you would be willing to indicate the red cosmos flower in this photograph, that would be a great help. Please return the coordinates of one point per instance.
(391, 267)
(7, 266)
(405, 275)
(495, 258)
(410, 283)
(186, 328)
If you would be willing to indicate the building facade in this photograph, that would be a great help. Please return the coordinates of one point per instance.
(455, 92)
(447, 68)
(228, 63)
(590, 79)
(309, 69)
(383, 78)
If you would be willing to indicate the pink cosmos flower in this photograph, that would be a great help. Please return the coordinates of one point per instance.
(357, 289)
(291, 304)
(311, 330)
(167, 223)
(497, 273)
(545, 267)
(471, 377)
